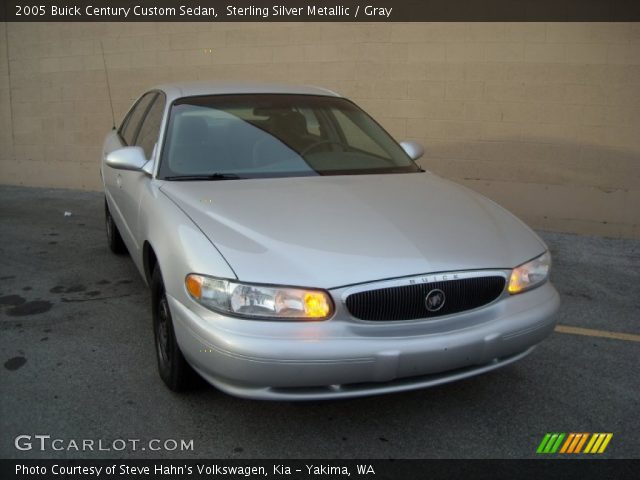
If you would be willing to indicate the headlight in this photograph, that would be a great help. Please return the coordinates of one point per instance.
(259, 301)
(530, 274)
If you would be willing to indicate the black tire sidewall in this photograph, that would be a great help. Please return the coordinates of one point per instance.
(116, 244)
(176, 372)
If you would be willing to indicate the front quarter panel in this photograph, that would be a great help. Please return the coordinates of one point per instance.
(180, 247)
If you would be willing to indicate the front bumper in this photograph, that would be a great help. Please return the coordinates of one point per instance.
(342, 357)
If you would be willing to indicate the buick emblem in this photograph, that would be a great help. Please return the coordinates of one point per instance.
(434, 300)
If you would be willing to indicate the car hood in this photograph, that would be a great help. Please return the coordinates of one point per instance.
(340, 230)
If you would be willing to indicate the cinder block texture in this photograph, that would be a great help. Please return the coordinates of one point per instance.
(542, 117)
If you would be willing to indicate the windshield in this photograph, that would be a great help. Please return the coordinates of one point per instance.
(266, 136)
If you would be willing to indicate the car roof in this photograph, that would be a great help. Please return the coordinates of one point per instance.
(194, 89)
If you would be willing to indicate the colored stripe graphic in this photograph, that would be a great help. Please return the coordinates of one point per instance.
(596, 446)
(581, 443)
(594, 437)
(551, 443)
(604, 445)
(567, 443)
(543, 443)
(598, 443)
(575, 444)
(555, 447)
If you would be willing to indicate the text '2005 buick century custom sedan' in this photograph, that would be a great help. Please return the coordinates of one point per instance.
(295, 251)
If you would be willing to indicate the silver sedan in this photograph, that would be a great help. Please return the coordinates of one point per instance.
(295, 251)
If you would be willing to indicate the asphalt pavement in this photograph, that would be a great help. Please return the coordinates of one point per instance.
(78, 362)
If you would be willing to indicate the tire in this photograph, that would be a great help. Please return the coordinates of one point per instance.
(174, 370)
(114, 240)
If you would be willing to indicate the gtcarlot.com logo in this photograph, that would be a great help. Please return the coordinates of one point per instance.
(573, 443)
(46, 442)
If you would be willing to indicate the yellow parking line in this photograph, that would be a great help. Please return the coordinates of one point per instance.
(630, 337)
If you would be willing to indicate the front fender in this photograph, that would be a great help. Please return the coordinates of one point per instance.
(179, 245)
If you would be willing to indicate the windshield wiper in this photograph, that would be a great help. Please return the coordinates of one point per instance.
(209, 176)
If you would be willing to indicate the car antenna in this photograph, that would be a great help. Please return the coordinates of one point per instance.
(106, 76)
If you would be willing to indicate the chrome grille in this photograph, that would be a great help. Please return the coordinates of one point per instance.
(408, 302)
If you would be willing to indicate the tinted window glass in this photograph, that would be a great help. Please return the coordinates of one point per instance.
(269, 135)
(132, 122)
(148, 135)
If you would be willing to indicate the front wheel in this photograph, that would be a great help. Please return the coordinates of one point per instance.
(114, 240)
(172, 366)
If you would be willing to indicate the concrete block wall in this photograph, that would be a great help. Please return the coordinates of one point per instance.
(542, 117)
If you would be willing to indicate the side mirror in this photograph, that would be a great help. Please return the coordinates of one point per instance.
(127, 158)
(413, 149)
